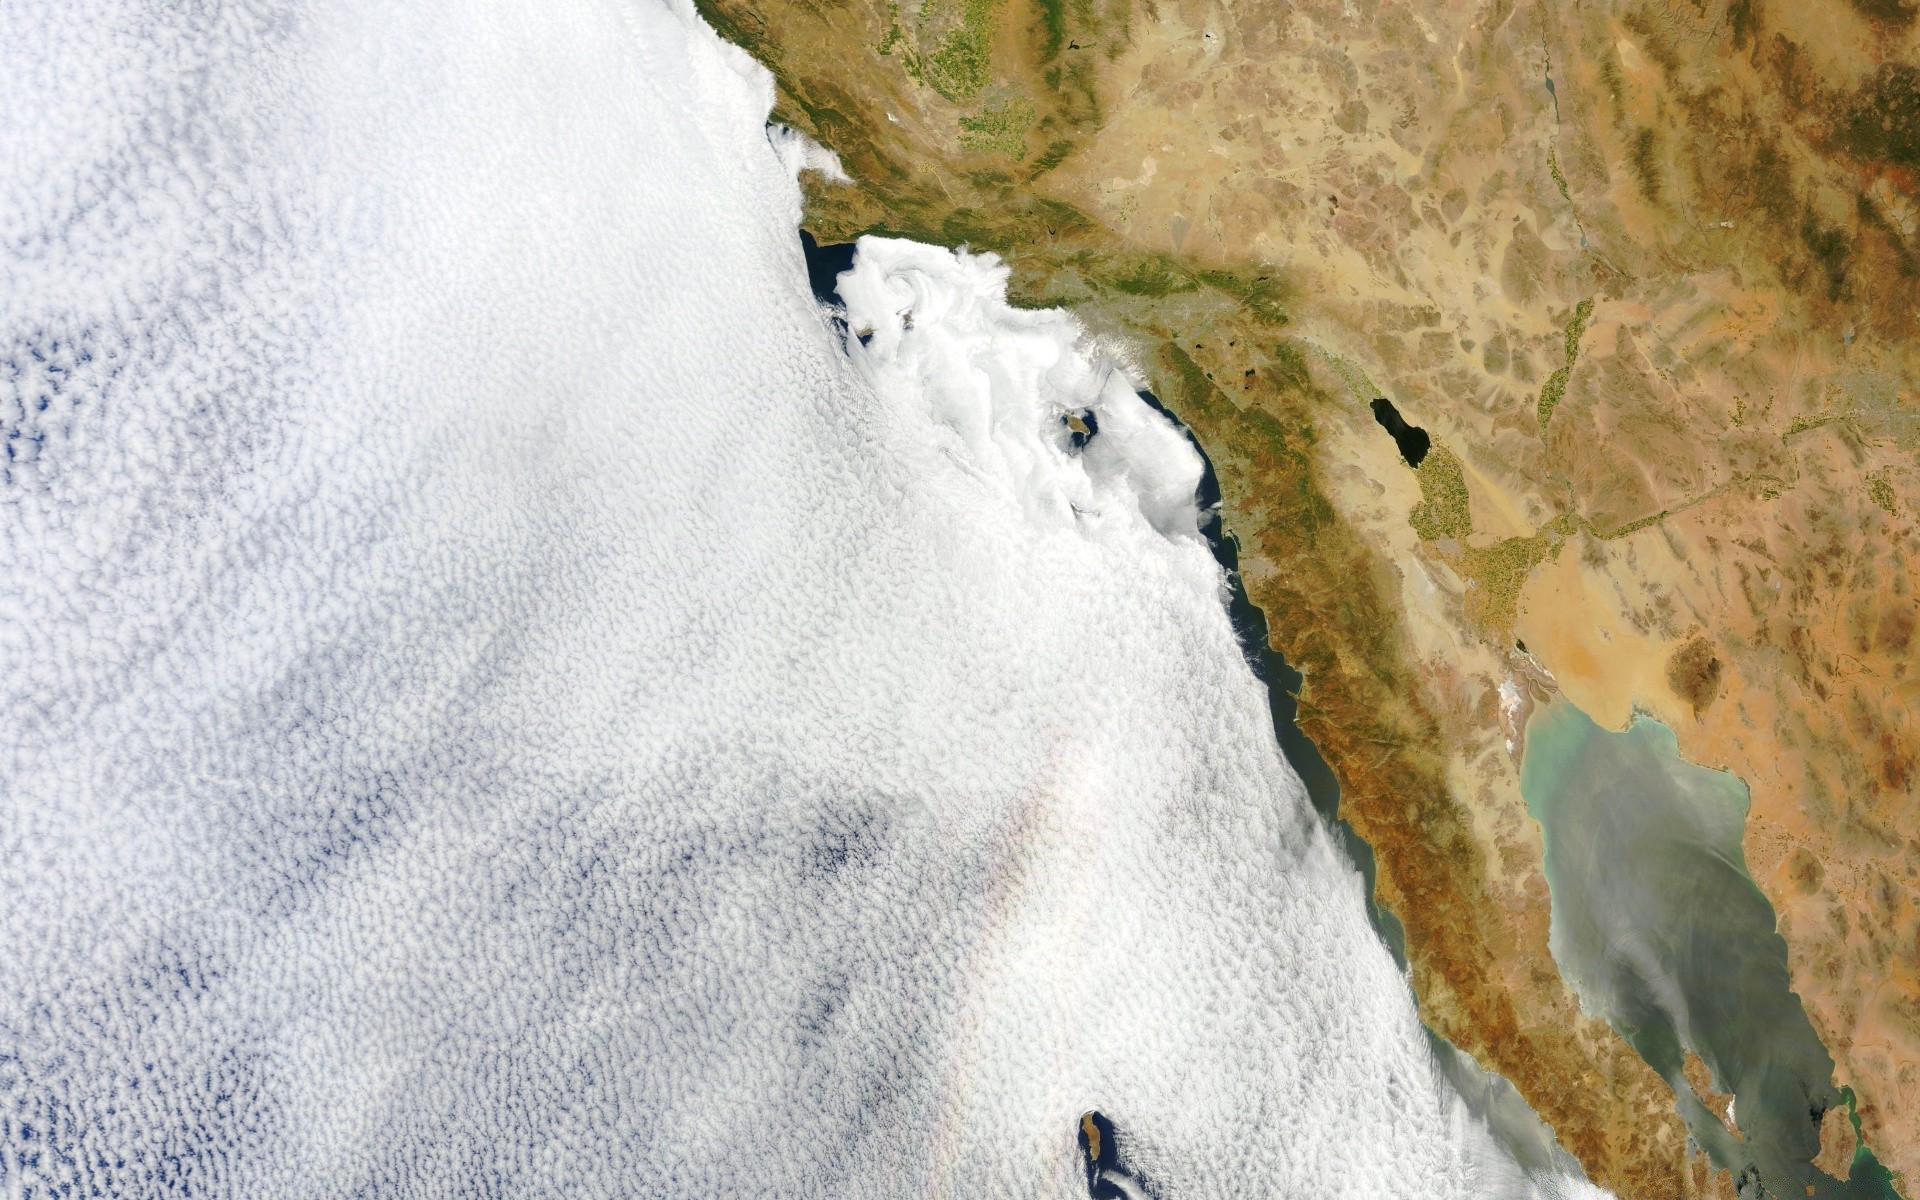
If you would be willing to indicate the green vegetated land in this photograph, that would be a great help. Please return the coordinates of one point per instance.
(1215, 343)
(1494, 574)
(1555, 389)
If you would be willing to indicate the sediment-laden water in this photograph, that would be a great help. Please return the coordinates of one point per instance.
(1661, 930)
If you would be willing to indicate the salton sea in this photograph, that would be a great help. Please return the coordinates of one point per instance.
(506, 700)
(1489, 1096)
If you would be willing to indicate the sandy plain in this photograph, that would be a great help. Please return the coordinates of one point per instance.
(1646, 273)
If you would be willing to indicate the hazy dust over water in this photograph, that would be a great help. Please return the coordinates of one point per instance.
(1660, 929)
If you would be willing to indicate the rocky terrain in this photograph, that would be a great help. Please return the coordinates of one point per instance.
(1645, 273)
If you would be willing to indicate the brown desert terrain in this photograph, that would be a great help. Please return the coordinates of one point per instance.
(1646, 273)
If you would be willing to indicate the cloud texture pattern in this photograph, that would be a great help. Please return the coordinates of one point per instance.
(502, 701)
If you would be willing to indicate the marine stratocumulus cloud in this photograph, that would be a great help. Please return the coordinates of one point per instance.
(505, 696)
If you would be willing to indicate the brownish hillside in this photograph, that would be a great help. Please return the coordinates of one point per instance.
(1646, 272)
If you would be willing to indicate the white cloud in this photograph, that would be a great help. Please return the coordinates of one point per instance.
(802, 153)
(501, 703)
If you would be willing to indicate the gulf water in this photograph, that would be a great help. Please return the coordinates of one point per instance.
(1660, 929)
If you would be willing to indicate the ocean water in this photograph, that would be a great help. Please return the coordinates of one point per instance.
(1492, 1100)
(507, 698)
(1660, 929)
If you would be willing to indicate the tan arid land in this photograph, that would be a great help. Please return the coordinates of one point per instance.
(1649, 273)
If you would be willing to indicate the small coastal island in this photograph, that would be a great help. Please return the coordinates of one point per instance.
(1639, 278)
